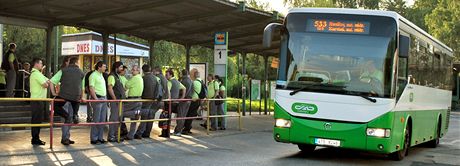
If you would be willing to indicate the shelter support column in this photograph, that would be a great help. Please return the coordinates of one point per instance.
(243, 84)
(266, 83)
(49, 37)
(187, 57)
(1, 43)
(105, 47)
(57, 50)
(151, 50)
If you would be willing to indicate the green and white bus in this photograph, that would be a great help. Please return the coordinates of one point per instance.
(359, 79)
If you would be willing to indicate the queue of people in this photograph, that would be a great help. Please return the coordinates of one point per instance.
(70, 84)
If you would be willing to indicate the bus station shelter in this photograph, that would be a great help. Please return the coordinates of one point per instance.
(186, 22)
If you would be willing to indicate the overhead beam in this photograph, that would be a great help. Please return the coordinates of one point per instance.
(231, 37)
(214, 28)
(23, 22)
(274, 46)
(250, 43)
(174, 20)
(267, 52)
(20, 4)
(120, 10)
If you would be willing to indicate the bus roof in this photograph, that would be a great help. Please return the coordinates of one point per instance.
(391, 14)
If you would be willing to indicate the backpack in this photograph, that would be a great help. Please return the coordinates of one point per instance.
(204, 91)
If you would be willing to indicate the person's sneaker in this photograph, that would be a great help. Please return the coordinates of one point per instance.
(177, 134)
(88, 120)
(145, 136)
(66, 142)
(127, 138)
(38, 142)
(112, 140)
(137, 137)
(95, 142)
(222, 128)
(137, 115)
(102, 141)
(71, 142)
(187, 132)
(76, 120)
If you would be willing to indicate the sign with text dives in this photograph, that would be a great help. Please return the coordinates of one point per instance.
(220, 47)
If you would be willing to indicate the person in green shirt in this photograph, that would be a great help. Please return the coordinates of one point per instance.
(98, 92)
(176, 91)
(220, 104)
(38, 90)
(135, 87)
(195, 104)
(2, 82)
(373, 76)
(11, 65)
(213, 89)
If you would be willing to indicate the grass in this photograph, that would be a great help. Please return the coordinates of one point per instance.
(232, 105)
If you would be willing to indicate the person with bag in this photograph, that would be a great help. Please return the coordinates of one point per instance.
(151, 91)
(213, 88)
(221, 122)
(196, 102)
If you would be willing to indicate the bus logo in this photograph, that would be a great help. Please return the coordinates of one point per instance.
(304, 108)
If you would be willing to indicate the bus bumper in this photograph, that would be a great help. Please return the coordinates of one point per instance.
(350, 135)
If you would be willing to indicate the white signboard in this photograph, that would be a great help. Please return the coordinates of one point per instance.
(220, 48)
(202, 68)
(220, 54)
(95, 47)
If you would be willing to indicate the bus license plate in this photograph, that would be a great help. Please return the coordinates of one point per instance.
(327, 142)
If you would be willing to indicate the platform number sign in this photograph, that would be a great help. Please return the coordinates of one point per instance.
(220, 47)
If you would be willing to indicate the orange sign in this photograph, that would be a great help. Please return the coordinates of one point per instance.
(357, 27)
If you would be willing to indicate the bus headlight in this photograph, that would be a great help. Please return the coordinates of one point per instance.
(282, 123)
(378, 132)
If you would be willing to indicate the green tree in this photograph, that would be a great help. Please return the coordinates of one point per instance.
(444, 24)
(399, 6)
(419, 10)
(30, 41)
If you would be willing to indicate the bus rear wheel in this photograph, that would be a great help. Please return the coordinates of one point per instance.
(399, 155)
(305, 148)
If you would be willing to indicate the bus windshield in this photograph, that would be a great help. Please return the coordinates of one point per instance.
(332, 61)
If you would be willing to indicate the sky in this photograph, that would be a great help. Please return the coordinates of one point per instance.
(279, 6)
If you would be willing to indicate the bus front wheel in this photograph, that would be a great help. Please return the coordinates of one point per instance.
(305, 148)
(399, 155)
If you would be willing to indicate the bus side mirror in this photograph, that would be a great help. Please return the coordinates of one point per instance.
(404, 44)
(268, 33)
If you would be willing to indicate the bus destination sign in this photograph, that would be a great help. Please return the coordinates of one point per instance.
(338, 26)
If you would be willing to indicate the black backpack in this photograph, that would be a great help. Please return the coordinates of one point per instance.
(204, 91)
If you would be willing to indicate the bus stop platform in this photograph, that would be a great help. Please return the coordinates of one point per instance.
(17, 150)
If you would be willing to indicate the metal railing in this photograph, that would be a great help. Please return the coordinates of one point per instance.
(51, 124)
